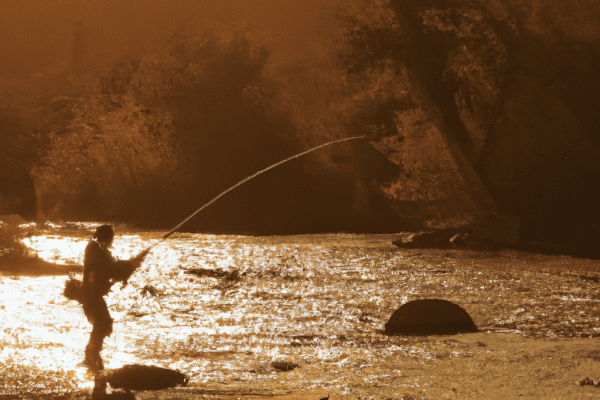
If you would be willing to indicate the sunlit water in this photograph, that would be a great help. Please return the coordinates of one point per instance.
(318, 301)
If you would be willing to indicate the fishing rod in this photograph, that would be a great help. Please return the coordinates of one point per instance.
(172, 231)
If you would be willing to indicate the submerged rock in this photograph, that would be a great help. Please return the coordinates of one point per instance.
(214, 273)
(140, 377)
(150, 290)
(430, 317)
(284, 365)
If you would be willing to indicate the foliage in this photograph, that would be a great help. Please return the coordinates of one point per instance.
(10, 241)
(17, 156)
(212, 82)
(576, 20)
(399, 116)
(180, 122)
(424, 160)
(211, 106)
(474, 63)
(113, 154)
(358, 84)
(428, 174)
(423, 79)
(31, 109)
(373, 35)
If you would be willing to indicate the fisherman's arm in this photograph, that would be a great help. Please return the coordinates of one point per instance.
(123, 269)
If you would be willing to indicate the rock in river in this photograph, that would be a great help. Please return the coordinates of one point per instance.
(140, 377)
(430, 317)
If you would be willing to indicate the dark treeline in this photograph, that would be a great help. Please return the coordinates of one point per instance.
(151, 136)
(474, 108)
(157, 135)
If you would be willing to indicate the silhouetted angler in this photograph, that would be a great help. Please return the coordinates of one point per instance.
(100, 271)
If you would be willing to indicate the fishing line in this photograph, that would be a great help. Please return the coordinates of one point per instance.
(172, 231)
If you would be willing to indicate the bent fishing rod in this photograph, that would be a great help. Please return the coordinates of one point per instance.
(172, 231)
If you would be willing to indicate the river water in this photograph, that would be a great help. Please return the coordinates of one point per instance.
(228, 307)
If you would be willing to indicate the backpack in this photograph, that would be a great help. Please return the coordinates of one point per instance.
(73, 289)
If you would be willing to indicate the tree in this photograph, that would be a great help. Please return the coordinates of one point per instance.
(114, 157)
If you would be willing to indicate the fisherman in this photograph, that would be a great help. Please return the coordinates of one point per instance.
(100, 271)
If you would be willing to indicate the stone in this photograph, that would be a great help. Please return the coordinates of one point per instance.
(430, 317)
(214, 273)
(140, 377)
(150, 290)
(284, 365)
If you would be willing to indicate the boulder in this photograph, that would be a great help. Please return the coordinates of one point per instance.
(139, 377)
(430, 317)
(284, 365)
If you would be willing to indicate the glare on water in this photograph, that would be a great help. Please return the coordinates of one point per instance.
(318, 302)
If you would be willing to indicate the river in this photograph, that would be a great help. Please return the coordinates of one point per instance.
(228, 307)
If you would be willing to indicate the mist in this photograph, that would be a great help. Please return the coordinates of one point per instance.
(39, 35)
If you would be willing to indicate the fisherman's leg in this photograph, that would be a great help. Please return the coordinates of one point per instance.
(102, 327)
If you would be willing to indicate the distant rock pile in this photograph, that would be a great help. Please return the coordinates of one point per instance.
(430, 317)
(491, 232)
(214, 273)
(589, 382)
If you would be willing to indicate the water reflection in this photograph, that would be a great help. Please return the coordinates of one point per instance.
(297, 299)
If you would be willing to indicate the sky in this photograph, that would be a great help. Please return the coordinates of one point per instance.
(38, 34)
